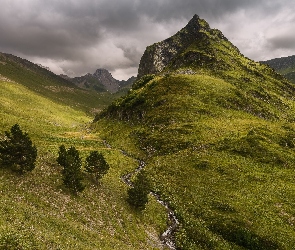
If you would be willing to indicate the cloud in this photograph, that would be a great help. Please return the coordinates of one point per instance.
(76, 37)
(286, 41)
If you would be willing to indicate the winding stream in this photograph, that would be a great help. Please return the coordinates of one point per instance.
(168, 237)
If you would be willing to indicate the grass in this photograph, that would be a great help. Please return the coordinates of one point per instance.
(37, 212)
(49, 85)
(222, 156)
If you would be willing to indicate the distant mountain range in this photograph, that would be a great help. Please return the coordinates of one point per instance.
(284, 66)
(102, 80)
(62, 89)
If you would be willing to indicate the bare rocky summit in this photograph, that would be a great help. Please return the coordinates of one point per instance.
(157, 56)
(106, 78)
(101, 80)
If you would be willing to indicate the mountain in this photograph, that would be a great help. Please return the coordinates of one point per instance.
(127, 83)
(43, 82)
(189, 47)
(101, 81)
(284, 66)
(216, 132)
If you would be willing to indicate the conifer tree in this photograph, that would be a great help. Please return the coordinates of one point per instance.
(71, 163)
(17, 151)
(96, 165)
(138, 194)
(62, 155)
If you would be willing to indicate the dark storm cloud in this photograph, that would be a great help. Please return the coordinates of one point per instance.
(45, 32)
(282, 42)
(76, 37)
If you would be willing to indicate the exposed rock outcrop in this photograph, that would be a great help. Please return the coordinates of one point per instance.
(101, 80)
(106, 78)
(158, 56)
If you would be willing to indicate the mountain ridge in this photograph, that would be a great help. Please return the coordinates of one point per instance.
(44, 82)
(158, 56)
(37, 211)
(284, 66)
(101, 80)
(216, 133)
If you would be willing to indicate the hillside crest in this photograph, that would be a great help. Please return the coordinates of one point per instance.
(159, 56)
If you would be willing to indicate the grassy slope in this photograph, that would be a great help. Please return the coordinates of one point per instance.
(219, 146)
(35, 210)
(50, 85)
(229, 174)
(284, 66)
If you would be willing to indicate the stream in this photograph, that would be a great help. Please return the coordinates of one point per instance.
(168, 237)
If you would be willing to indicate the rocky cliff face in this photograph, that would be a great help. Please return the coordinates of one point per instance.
(101, 80)
(106, 78)
(159, 56)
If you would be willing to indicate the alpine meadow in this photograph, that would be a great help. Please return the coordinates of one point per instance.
(199, 154)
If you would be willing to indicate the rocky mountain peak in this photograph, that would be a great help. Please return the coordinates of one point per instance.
(102, 72)
(106, 78)
(101, 80)
(195, 25)
(160, 55)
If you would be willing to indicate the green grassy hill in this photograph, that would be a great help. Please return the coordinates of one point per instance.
(217, 132)
(284, 66)
(36, 211)
(49, 85)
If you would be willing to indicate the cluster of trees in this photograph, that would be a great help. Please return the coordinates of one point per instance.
(97, 167)
(71, 162)
(18, 154)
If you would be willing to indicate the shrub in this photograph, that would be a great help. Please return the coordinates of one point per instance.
(71, 163)
(138, 194)
(62, 155)
(96, 165)
(17, 151)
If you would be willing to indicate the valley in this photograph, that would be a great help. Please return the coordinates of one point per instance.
(37, 212)
(213, 130)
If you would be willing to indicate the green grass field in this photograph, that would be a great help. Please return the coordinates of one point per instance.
(222, 156)
(37, 212)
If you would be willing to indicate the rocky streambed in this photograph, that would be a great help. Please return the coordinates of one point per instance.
(168, 237)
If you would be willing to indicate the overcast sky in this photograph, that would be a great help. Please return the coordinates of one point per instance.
(75, 37)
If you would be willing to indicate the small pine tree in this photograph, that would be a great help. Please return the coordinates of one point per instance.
(96, 165)
(138, 194)
(62, 156)
(17, 151)
(71, 163)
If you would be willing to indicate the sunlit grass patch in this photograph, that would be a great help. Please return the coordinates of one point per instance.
(37, 212)
(219, 149)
